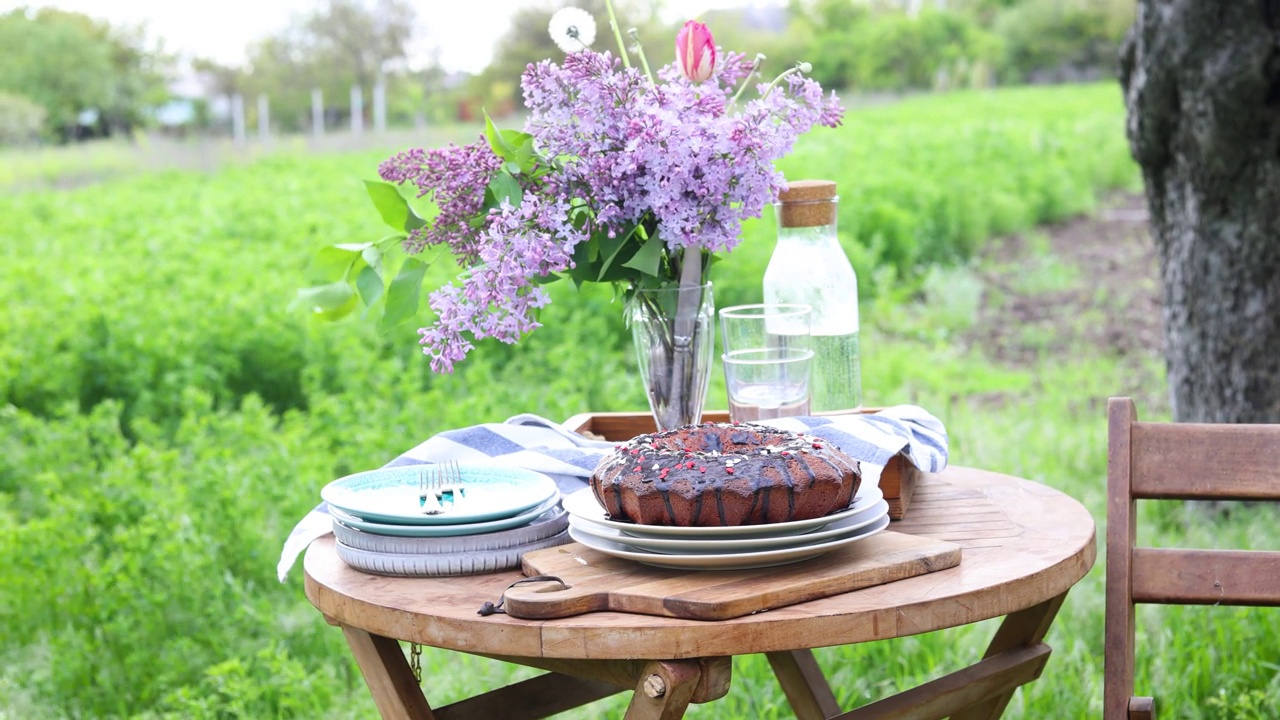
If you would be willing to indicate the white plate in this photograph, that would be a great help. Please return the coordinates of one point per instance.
(549, 523)
(713, 546)
(391, 495)
(729, 561)
(583, 504)
(443, 564)
(436, 531)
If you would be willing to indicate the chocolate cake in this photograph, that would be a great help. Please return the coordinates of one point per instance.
(724, 474)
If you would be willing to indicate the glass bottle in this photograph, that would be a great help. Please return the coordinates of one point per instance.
(808, 266)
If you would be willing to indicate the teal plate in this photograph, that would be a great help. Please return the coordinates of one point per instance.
(391, 495)
(434, 531)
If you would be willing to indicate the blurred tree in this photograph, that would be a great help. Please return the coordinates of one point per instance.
(340, 44)
(894, 51)
(983, 11)
(70, 64)
(879, 46)
(828, 27)
(528, 41)
(220, 79)
(1062, 40)
(20, 120)
(141, 78)
(282, 70)
(1201, 81)
(354, 41)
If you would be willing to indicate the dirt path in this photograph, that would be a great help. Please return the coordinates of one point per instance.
(1099, 284)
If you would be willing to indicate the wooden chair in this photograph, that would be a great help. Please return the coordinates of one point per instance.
(1178, 461)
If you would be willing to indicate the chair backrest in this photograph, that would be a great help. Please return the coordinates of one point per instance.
(1178, 461)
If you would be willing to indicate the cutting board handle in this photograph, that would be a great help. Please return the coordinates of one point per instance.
(554, 599)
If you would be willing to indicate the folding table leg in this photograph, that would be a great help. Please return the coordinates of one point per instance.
(804, 684)
(395, 691)
(1020, 629)
(664, 690)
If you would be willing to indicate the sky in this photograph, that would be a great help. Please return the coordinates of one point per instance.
(463, 31)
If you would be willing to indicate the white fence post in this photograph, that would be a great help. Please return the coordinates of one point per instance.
(317, 112)
(380, 106)
(264, 119)
(237, 118)
(357, 110)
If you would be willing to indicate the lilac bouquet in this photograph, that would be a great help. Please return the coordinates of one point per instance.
(617, 177)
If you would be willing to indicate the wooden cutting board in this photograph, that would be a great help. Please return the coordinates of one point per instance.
(597, 581)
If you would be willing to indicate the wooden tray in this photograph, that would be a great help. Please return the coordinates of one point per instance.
(897, 482)
(598, 582)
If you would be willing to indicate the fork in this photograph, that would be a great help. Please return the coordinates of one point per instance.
(428, 490)
(446, 480)
(451, 483)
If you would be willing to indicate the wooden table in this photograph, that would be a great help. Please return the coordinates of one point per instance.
(1024, 546)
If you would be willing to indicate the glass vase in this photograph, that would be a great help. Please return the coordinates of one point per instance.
(673, 329)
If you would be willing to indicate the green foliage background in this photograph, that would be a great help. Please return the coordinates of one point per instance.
(60, 64)
(164, 421)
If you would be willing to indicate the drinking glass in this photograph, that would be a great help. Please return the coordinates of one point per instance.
(766, 383)
(765, 325)
(767, 360)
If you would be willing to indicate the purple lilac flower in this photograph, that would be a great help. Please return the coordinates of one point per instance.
(675, 157)
(454, 178)
(497, 297)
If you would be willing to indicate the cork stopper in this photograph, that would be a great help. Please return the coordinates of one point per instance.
(807, 203)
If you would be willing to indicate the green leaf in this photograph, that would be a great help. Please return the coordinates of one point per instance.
(392, 206)
(334, 263)
(403, 294)
(610, 247)
(505, 187)
(329, 302)
(648, 258)
(525, 155)
(498, 141)
(517, 138)
(584, 269)
(369, 283)
(373, 256)
(546, 279)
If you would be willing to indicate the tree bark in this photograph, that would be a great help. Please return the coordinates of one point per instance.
(1201, 81)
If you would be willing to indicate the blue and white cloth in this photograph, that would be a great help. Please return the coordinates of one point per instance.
(536, 443)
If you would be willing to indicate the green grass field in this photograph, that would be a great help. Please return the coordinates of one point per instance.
(164, 420)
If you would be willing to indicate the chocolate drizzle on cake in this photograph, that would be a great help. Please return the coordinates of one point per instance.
(753, 475)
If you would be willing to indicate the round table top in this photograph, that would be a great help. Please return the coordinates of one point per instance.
(1022, 543)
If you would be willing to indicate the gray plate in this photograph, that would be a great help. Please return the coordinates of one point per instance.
(545, 525)
(443, 564)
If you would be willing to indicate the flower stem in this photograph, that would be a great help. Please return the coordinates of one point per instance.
(644, 62)
(800, 67)
(755, 68)
(687, 302)
(617, 33)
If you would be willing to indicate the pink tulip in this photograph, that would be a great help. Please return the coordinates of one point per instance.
(696, 51)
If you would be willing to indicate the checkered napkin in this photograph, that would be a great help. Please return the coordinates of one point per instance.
(536, 443)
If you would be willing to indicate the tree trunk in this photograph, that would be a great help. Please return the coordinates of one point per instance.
(1201, 81)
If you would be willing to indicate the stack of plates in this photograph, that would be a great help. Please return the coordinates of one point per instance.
(501, 513)
(725, 548)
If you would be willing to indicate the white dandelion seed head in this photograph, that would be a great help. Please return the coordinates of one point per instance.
(572, 29)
